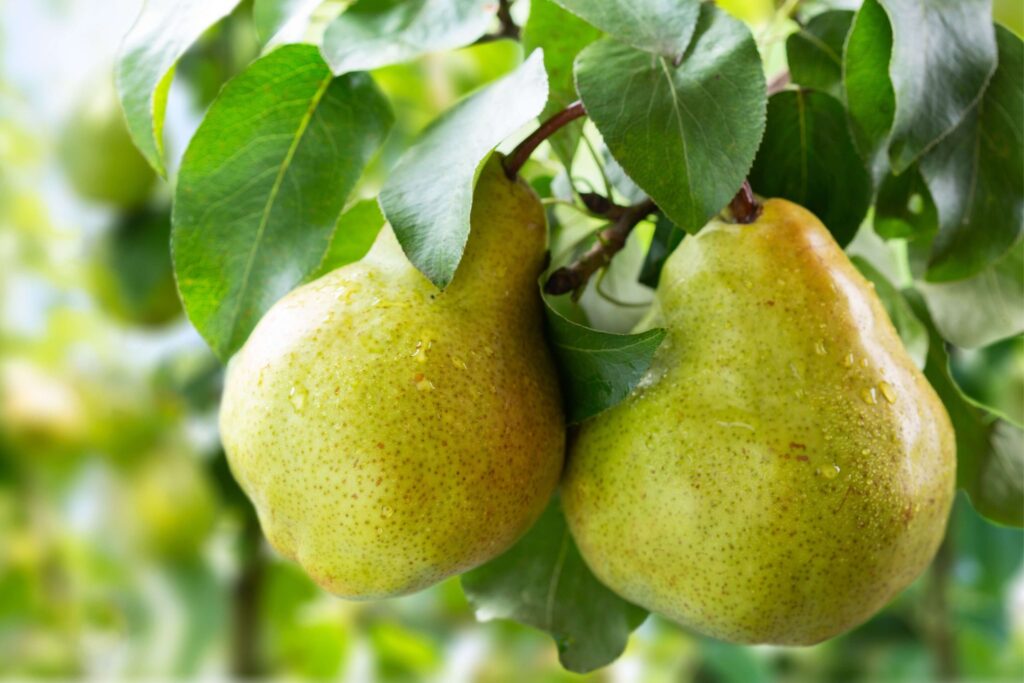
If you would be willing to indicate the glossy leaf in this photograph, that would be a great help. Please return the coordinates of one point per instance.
(943, 54)
(982, 309)
(870, 99)
(912, 331)
(662, 27)
(686, 135)
(427, 198)
(904, 208)
(162, 33)
(561, 35)
(667, 237)
(815, 52)
(353, 236)
(262, 184)
(807, 157)
(542, 581)
(598, 369)
(271, 17)
(976, 174)
(375, 33)
(990, 449)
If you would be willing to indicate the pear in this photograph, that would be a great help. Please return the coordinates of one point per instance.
(783, 469)
(390, 434)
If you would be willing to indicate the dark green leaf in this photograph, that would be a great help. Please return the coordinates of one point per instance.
(976, 174)
(870, 100)
(562, 36)
(598, 369)
(943, 53)
(981, 309)
(912, 331)
(904, 208)
(815, 52)
(807, 157)
(667, 237)
(542, 581)
(687, 135)
(663, 27)
(273, 16)
(427, 198)
(262, 184)
(162, 33)
(989, 449)
(375, 33)
(353, 236)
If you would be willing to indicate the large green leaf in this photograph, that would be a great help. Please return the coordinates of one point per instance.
(981, 309)
(375, 33)
(943, 53)
(353, 236)
(543, 581)
(561, 35)
(807, 157)
(904, 208)
(976, 174)
(598, 369)
(989, 448)
(162, 33)
(262, 184)
(912, 331)
(870, 100)
(687, 135)
(271, 17)
(427, 198)
(662, 27)
(815, 52)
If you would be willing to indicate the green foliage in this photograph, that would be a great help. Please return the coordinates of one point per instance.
(428, 196)
(686, 134)
(815, 52)
(259, 193)
(807, 157)
(661, 27)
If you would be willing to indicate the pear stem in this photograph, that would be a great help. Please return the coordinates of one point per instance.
(745, 208)
(610, 241)
(518, 156)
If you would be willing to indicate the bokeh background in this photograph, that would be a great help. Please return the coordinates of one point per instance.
(126, 549)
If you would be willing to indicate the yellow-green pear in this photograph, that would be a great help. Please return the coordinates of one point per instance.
(391, 434)
(783, 469)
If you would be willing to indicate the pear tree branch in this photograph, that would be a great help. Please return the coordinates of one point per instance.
(610, 241)
(518, 156)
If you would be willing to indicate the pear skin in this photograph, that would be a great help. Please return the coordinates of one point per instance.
(390, 434)
(783, 469)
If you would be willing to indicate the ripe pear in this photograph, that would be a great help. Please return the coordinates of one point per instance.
(390, 434)
(783, 469)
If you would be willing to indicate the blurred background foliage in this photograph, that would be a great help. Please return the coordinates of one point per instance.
(126, 549)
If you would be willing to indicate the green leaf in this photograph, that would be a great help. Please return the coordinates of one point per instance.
(662, 27)
(353, 236)
(807, 157)
(271, 17)
(904, 208)
(667, 237)
(989, 448)
(427, 198)
(598, 369)
(976, 174)
(870, 100)
(262, 184)
(912, 331)
(162, 33)
(376, 33)
(815, 52)
(943, 54)
(687, 135)
(982, 309)
(543, 582)
(562, 36)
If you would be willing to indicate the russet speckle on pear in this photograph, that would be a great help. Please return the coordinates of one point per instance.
(391, 434)
(783, 470)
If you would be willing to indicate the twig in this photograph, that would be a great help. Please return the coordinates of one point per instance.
(515, 160)
(508, 29)
(610, 241)
(745, 208)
